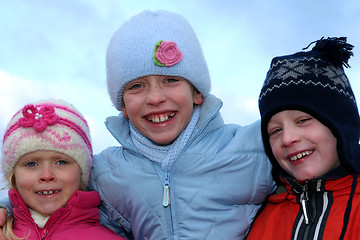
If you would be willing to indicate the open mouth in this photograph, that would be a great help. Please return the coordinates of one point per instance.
(47, 192)
(160, 118)
(301, 155)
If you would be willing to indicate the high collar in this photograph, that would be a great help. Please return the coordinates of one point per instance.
(319, 184)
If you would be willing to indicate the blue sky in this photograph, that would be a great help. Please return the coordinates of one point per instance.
(56, 49)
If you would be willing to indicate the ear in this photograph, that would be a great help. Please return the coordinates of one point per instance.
(198, 97)
(123, 109)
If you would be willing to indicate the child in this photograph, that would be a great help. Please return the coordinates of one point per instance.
(181, 173)
(47, 158)
(311, 130)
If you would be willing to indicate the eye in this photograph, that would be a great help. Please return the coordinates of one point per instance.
(305, 119)
(135, 86)
(62, 162)
(274, 131)
(171, 80)
(31, 164)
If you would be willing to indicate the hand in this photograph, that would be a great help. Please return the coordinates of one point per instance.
(3, 215)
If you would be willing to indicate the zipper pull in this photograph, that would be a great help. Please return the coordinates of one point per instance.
(166, 197)
(304, 204)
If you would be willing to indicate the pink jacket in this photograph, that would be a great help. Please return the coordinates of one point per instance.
(78, 220)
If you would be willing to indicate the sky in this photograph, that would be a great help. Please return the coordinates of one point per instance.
(56, 49)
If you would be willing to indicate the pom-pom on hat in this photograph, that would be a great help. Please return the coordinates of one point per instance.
(155, 43)
(315, 82)
(51, 125)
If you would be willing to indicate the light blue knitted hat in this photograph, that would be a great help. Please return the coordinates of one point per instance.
(130, 53)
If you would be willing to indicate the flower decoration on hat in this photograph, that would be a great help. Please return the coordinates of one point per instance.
(167, 53)
(38, 119)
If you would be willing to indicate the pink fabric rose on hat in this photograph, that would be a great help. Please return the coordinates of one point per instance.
(167, 53)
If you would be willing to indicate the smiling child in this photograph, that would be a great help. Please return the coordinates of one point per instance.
(180, 172)
(47, 159)
(311, 130)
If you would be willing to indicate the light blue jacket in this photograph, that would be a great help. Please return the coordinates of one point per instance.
(216, 185)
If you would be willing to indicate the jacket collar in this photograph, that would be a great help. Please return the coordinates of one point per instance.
(320, 184)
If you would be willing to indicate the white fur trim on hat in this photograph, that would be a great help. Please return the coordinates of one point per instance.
(51, 125)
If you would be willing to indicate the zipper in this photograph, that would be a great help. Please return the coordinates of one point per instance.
(44, 233)
(165, 181)
(305, 204)
(166, 196)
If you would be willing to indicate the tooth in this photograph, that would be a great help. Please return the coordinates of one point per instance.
(45, 192)
(162, 119)
(299, 155)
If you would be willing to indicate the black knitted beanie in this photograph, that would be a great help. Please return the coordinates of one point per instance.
(315, 82)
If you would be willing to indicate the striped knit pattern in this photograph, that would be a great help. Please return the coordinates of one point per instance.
(51, 125)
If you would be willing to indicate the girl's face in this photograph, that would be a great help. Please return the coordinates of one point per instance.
(304, 147)
(46, 180)
(160, 107)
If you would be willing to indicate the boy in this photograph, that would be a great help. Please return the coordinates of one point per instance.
(311, 130)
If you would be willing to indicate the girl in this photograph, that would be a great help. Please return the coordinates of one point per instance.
(47, 158)
(186, 174)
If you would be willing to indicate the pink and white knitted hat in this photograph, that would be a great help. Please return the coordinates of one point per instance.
(51, 125)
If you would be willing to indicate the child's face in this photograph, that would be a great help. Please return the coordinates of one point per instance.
(46, 180)
(304, 147)
(160, 107)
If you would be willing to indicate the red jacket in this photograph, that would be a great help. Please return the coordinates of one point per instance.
(283, 215)
(78, 220)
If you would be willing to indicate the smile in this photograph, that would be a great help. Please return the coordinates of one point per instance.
(159, 118)
(300, 155)
(47, 192)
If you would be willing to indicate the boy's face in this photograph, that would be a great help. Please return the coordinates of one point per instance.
(160, 107)
(304, 147)
(46, 180)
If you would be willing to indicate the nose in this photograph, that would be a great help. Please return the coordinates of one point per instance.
(46, 174)
(289, 137)
(155, 95)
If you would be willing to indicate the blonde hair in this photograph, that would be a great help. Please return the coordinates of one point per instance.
(7, 228)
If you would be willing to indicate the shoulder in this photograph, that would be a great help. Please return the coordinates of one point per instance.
(235, 138)
(84, 199)
(107, 160)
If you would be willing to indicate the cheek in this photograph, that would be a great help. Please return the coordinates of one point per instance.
(275, 148)
(131, 109)
(23, 181)
(73, 180)
(278, 153)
